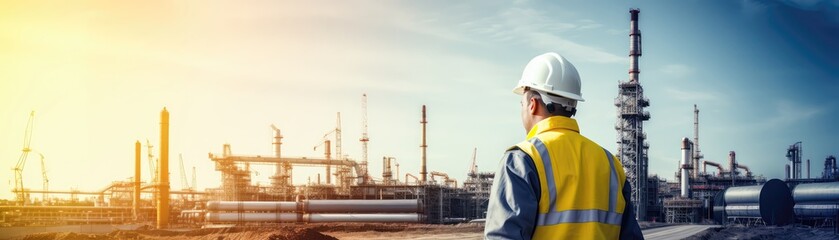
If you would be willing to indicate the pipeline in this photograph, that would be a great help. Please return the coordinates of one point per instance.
(314, 217)
(446, 179)
(416, 180)
(321, 206)
(705, 166)
(744, 167)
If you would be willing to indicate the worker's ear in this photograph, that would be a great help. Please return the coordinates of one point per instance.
(532, 107)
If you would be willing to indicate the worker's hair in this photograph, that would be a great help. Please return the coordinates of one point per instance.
(555, 110)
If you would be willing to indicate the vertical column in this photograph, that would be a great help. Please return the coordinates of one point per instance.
(163, 203)
(424, 146)
(136, 202)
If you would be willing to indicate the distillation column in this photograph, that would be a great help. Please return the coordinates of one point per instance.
(686, 167)
(631, 139)
(163, 202)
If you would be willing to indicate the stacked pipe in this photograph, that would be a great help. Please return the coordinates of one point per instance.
(771, 202)
(816, 200)
(316, 211)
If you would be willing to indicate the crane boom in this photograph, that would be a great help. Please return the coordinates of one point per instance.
(184, 183)
(44, 176)
(20, 196)
(152, 162)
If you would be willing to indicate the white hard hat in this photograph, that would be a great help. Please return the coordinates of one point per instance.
(554, 78)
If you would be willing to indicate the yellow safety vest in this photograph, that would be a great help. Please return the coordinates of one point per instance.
(581, 183)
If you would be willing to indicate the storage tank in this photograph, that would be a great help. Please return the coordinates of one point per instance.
(772, 202)
(816, 200)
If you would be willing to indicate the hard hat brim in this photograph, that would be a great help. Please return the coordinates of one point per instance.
(520, 90)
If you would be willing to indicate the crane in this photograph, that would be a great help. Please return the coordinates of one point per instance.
(152, 162)
(473, 169)
(337, 132)
(364, 139)
(20, 195)
(44, 176)
(184, 183)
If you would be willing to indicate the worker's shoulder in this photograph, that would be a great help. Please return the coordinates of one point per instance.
(514, 154)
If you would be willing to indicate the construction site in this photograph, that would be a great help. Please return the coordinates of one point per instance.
(720, 192)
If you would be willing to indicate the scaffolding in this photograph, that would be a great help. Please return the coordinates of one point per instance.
(682, 210)
(631, 139)
(478, 185)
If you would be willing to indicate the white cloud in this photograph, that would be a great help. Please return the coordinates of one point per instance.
(530, 26)
(692, 96)
(677, 70)
(617, 31)
(788, 113)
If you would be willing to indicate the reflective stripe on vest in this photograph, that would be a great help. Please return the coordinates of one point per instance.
(553, 217)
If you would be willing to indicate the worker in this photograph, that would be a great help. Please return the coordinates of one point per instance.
(557, 184)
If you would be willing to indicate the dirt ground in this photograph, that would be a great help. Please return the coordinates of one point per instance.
(288, 232)
(748, 233)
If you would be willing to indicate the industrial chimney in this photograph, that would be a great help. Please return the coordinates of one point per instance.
(686, 166)
(424, 146)
(163, 184)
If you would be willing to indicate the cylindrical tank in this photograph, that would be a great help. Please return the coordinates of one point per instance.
(816, 200)
(771, 202)
(816, 192)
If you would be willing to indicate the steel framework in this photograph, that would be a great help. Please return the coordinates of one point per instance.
(630, 103)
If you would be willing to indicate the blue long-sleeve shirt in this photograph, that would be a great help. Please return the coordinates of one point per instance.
(514, 201)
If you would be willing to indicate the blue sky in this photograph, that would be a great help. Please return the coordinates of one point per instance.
(763, 73)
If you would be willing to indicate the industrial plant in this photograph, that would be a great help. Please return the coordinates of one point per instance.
(347, 192)
(702, 191)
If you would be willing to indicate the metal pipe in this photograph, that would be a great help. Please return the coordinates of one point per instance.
(363, 206)
(163, 202)
(706, 163)
(416, 180)
(322, 206)
(686, 158)
(251, 206)
(136, 197)
(744, 167)
(424, 146)
(313, 217)
(390, 218)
